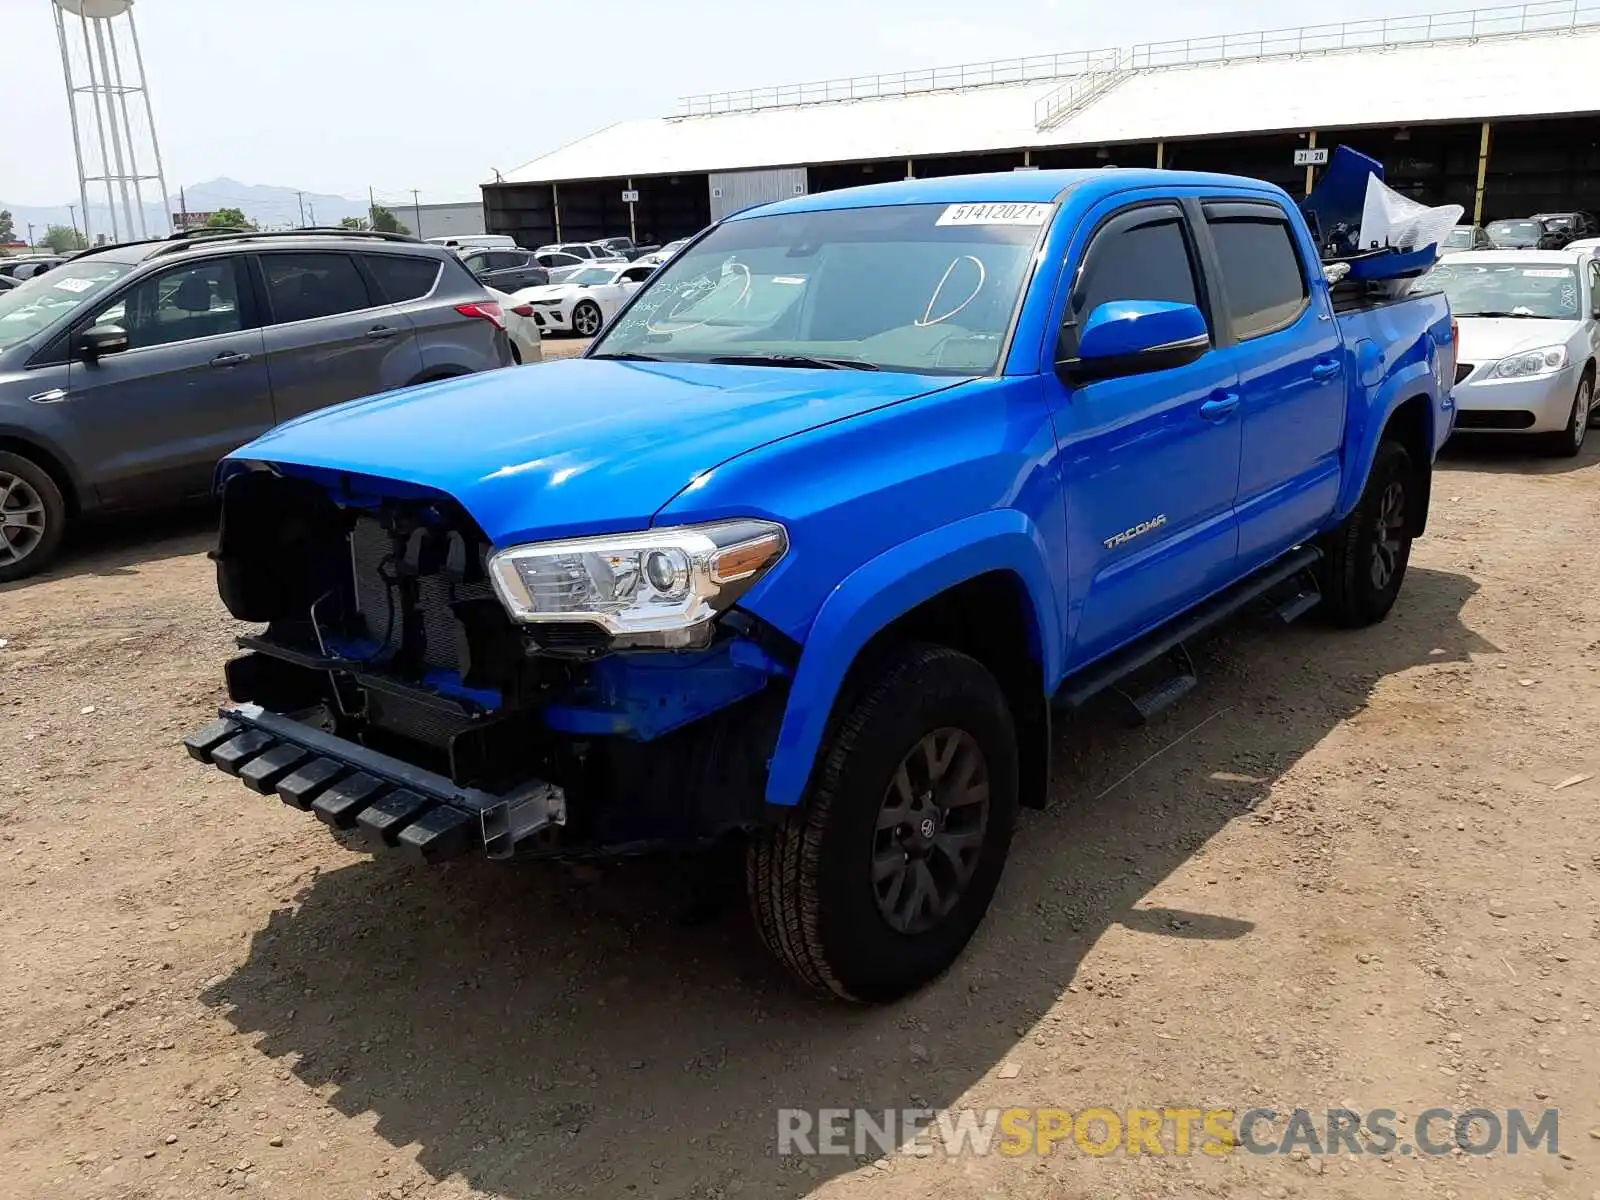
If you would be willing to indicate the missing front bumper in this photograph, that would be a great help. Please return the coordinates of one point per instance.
(392, 804)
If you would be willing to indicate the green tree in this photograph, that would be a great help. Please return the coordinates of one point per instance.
(8, 228)
(352, 223)
(386, 222)
(64, 239)
(230, 218)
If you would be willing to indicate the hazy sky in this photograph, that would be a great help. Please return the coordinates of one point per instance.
(336, 96)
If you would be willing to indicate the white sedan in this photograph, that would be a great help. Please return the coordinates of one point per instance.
(585, 300)
(1530, 343)
(522, 329)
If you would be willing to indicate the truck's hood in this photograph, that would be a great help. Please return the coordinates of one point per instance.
(1486, 339)
(579, 446)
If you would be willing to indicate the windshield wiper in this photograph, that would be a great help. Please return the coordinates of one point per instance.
(793, 360)
(1520, 316)
(629, 356)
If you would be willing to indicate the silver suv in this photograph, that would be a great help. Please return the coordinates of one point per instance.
(127, 372)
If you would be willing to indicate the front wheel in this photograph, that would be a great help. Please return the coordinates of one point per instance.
(33, 517)
(586, 319)
(1368, 553)
(1569, 441)
(876, 885)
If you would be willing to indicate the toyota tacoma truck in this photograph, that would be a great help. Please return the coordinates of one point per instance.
(809, 546)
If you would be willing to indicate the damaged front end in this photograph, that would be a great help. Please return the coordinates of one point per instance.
(589, 696)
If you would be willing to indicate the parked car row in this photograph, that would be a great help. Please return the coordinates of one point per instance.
(128, 371)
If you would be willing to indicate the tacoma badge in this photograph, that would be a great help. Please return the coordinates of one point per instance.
(1139, 530)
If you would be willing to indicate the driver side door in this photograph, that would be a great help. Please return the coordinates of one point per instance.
(1150, 461)
(617, 294)
(152, 422)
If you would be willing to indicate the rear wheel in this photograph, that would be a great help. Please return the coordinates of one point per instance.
(33, 517)
(1368, 553)
(876, 885)
(586, 319)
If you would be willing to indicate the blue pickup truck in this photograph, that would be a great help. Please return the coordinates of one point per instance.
(808, 547)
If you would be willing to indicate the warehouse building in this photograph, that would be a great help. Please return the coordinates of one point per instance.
(1496, 109)
(442, 220)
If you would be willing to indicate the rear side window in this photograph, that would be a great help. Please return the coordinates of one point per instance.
(1134, 258)
(1262, 278)
(302, 287)
(401, 277)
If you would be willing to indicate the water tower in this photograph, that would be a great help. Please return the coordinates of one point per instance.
(113, 124)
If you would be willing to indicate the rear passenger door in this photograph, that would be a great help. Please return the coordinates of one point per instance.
(1292, 375)
(331, 335)
(1150, 461)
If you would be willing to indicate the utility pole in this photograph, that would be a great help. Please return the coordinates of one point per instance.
(72, 213)
(30, 235)
(372, 208)
(183, 207)
(313, 213)
(416, 205)
(301, 197)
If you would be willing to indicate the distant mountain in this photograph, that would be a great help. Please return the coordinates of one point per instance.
(264, 204)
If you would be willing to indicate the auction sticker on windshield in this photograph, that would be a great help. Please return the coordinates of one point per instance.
(74, 285)
(995, 214)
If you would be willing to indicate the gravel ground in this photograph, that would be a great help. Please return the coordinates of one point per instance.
(1350, 868)
(563, 347)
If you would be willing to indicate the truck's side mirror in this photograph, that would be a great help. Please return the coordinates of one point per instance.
(1134, 337)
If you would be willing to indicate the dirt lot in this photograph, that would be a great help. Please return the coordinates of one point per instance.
(563, 347)
(1341, 872)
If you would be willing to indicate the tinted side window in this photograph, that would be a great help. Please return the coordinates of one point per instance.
(1261, 275)
(500, 260)
(401, 277)
(1145, 261)
(304, 286)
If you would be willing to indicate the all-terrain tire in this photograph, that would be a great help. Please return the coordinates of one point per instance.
(31, 537)
(1368, 553)
(810, 879)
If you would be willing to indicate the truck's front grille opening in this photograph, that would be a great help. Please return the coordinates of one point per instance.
(1494, 418)
(375, 563)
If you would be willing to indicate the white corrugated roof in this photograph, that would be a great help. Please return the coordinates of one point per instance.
(1398, 85)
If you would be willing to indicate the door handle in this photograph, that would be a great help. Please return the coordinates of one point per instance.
(379, 333)
(229, 360)
(1220, 407)
(1324, 371)
(53, 396)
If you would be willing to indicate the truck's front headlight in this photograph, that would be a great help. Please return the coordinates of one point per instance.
(1530, 363)
(653, 588)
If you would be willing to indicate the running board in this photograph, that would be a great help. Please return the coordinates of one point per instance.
(1078, 689)
(1183, 680)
